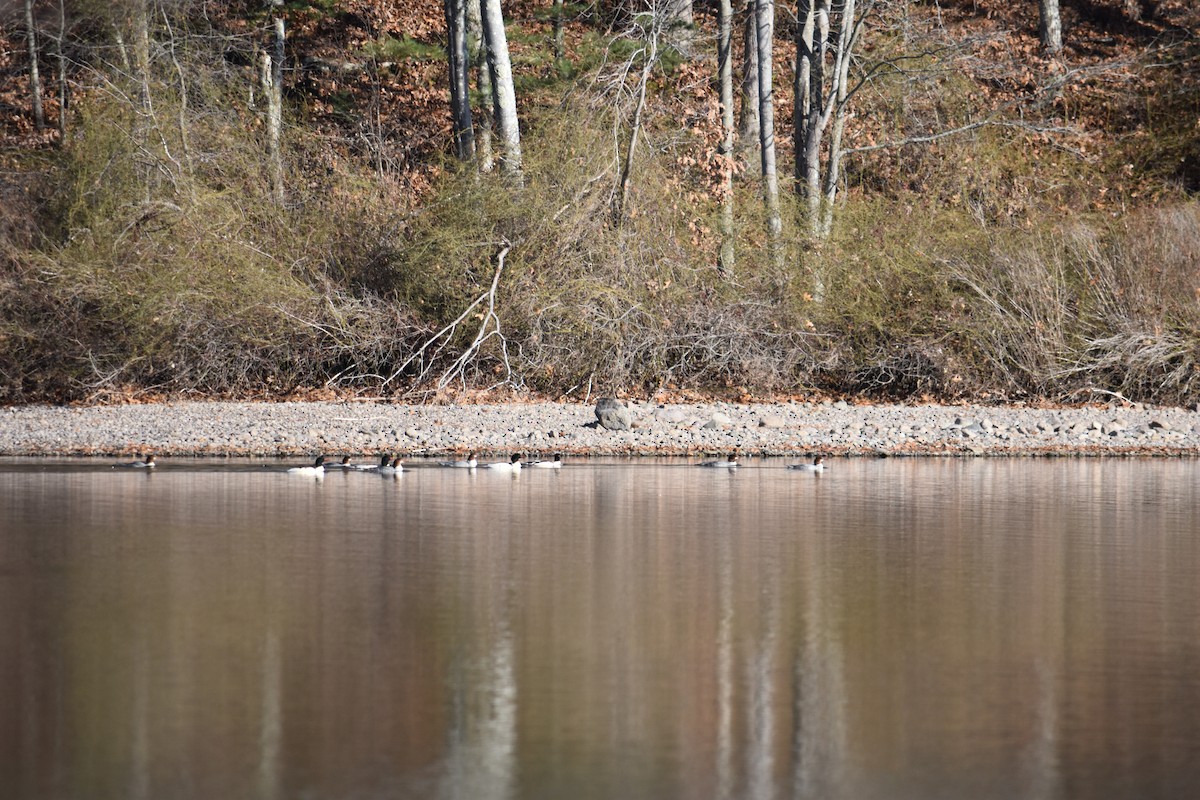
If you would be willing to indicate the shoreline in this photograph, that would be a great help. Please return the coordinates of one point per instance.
(785, 428)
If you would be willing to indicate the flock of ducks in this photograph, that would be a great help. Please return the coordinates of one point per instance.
(389, 465)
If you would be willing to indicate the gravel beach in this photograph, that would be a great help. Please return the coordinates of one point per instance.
(766, 429)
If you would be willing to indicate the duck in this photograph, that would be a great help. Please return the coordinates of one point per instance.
(817, 465)
(512, 465)
(384, 461)
(470, 462)
(541, 464)
(394, 468)
(146, 462)
(318, 468)
(345, 464)
(730, 462)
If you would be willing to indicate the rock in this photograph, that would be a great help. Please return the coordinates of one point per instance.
(1160, 423)
(612, 414)
(671, 414)
(772, 421)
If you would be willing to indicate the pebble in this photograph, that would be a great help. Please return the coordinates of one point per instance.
(837, 428)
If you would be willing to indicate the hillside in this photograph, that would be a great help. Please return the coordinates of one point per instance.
(1009, 226)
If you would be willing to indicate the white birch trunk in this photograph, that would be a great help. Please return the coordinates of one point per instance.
(273, 90)
(725, 80)
(803, 87)
(814, 129)
(503, 93)
(765, 24)
(1050, 26)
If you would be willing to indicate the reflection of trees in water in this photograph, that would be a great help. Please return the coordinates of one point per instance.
(635, 630)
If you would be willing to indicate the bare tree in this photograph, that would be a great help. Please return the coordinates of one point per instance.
(748, 128)
(460, 84)
(144, 114)
(764, 15)
(478, 52)
(272, 79)
(557, 10)
(827, 36)
(650, 27)
(725, 151)
(63, 89)
(503, 93)
(35, 81)
(679, 23)
(1050, 26)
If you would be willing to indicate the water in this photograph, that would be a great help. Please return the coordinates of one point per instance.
(890, 629)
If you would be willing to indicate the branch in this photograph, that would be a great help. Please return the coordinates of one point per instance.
(456, 369)
(933, 137)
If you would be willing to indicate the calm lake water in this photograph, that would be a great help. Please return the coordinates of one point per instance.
(640, 629)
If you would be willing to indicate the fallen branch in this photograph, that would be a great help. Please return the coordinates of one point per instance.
(428, 352)
(457, 369)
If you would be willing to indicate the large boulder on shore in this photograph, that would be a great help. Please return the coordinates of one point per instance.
(612, 414)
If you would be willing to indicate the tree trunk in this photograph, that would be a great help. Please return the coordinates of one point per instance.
(273, 89)
(725, 79)
(749, 128)
(818, 117)
(559, 53)
(503, 94)
(840, 92)
(764, 14)
(680, 25)
(182, 118)
(1050, 26)
(144, 113)
(802, 88)
(650, 56)
(478, 53)
(35, 80)
(63, 90)
(460, 83)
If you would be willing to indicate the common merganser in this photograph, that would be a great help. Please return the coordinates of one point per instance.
(818, 465)
(318, 468)
(512, 465)
(147, 462)
(345, 464)
(384, 460)
(729, 463)
(391, 469)
(470, 462)
(555, 464)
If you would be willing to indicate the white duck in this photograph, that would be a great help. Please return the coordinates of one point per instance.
(541, 464)
(318, 468)
(147, 462)
(817, 465)
(470, 462)
(384, 461)
(730, 462)
(512, 465)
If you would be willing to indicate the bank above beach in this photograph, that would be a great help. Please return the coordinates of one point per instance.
(765, 429)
